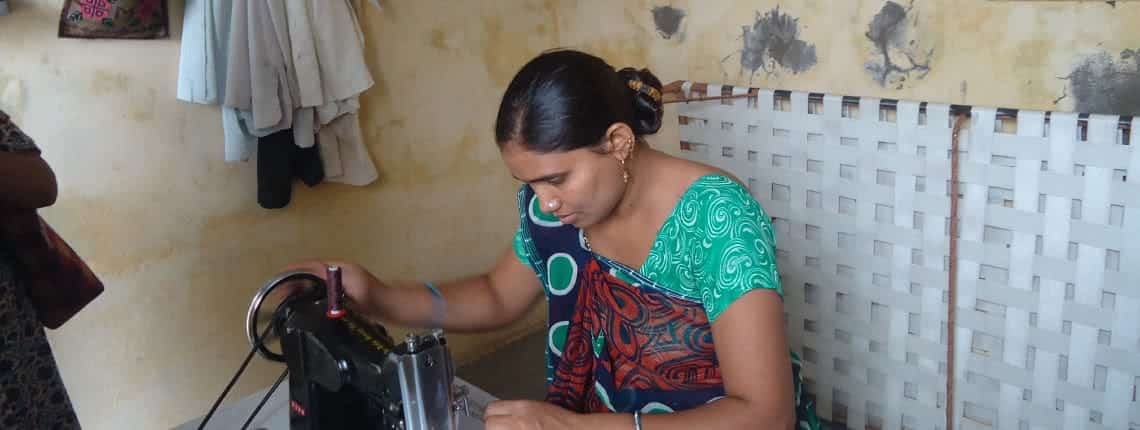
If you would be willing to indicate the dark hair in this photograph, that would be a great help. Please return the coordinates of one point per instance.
(565, 100)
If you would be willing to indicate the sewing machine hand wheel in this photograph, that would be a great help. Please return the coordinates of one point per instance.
(266, 307)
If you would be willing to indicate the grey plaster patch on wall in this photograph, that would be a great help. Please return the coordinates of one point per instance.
(771, 43)
(668, 19)
(896, 54)
(1104, 84)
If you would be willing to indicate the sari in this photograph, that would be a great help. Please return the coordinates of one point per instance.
(623, 339)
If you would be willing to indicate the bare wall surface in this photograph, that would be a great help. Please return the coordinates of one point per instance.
(177, 235)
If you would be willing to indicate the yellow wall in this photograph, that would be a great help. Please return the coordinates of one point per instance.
(177, 235)
(1013, 54)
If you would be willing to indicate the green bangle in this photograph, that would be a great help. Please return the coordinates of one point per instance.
(437, 306)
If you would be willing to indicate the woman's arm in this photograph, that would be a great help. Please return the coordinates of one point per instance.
(477, 303)
(754, 361)
(26, 181)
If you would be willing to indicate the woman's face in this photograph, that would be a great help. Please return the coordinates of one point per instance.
(581, 187)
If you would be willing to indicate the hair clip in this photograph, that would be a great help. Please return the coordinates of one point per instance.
(640, 87)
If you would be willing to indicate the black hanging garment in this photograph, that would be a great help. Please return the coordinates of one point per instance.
(279, 160)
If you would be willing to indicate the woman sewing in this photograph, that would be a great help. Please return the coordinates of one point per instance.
(665, 303)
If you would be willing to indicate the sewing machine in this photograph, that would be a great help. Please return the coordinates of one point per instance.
(346, 372)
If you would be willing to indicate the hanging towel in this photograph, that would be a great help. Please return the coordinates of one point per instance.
(343, 155)
(202, 67)
(202, 56)
(327, 51)
(276, 65)
(114, 19)
(261, 82)
(328, 59)
(257, 77)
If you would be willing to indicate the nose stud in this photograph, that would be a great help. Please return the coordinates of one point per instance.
(551, 203)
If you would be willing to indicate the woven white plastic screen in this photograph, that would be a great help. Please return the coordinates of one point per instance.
(1048, 291)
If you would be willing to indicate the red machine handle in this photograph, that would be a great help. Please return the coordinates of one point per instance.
(335, 294)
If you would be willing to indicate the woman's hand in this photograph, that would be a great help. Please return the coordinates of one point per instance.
(528, 415)
(359, 284)
(476, 303)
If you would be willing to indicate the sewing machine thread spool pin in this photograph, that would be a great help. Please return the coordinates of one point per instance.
(413, 343)
(438, 335)
(335, 293)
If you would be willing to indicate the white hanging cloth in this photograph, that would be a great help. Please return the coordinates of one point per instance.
(276, 65)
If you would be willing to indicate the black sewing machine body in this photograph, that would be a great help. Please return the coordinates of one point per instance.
(347, 373)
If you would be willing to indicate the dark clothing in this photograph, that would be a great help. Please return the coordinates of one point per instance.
(279, 160)
(32, 394)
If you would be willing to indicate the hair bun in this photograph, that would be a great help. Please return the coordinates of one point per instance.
(645, 91)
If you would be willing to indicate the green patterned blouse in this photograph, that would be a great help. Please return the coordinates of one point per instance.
(716, 245)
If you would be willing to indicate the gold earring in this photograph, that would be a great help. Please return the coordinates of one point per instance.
(624, 171)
